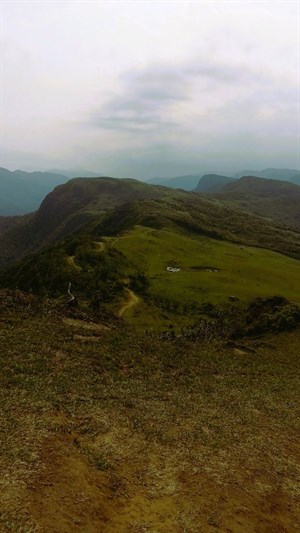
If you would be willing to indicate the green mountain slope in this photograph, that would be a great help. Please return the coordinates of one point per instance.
(102, 269)
(190, 213)
(279, 200)
(66, 209)
(9, 222)
(210, 272)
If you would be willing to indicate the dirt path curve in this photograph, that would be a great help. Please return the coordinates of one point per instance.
(71, 262)
(132, 300)
(100, 246)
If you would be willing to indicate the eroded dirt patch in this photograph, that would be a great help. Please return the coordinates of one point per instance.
(115, 481)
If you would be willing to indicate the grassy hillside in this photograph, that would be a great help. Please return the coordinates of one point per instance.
(107, 430)
(193, 214)
(211, 271)
(66, 209)
(278, 200)
(71, 205)
(103, 269)
(7, 223)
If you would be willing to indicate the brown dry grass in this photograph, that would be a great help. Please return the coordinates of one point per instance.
(133, 434)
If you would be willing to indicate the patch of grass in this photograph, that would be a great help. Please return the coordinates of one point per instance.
(242, 271)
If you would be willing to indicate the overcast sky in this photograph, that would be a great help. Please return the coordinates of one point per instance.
(141, 89)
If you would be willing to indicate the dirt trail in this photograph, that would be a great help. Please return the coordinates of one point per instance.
(132, 300)
(100, 246)
(71, 262)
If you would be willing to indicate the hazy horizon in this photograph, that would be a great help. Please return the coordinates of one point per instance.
(150, 89)
(201, 172)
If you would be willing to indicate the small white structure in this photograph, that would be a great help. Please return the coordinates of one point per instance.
(172, 269)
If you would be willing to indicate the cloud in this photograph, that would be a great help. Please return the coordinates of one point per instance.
(166, 95)
(143, 100)
(168, 85)
(192, 114)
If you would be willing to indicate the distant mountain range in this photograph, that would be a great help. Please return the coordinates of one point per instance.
(282, 174)
(75, 172)
(191, 181)
(22, 192)
(188, 182)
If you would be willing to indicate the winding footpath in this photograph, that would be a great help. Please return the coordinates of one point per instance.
(132, 300)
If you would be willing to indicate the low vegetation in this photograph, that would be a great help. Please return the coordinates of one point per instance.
(104, 429)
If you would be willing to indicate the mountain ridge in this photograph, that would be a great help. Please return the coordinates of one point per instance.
(68, 207)
(275, 199)
(114, 205)
(190, 181)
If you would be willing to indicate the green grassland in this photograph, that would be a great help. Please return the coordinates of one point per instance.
(103, 272)
(242, 271)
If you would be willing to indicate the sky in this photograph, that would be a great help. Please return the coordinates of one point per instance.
(150, 88)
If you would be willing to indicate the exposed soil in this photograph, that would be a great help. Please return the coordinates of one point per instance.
(71, 262)
(100, 245)
(132, 300)
(150, 489)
